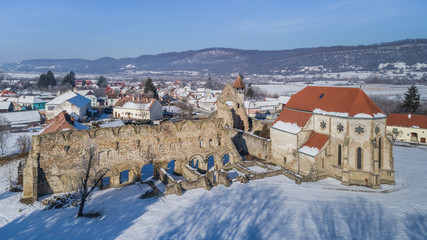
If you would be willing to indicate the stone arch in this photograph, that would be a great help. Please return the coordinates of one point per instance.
(168, 129)
(172, 147)
(171, 167)
(189, 127)
(195, 161)
(161, 148)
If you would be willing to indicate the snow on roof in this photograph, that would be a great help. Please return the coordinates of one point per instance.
(116, 123)
(283, 99)
(79, 101)
(139, 106)
(84, 92)
(314, 144)
(311, 151)
(5, 105)
(30, 99)
(62, 98)
(407, 120)
(21, 117)
(292, 117)
(287, 127)
(337, 114)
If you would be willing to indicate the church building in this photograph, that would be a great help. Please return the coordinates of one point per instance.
(333, 132)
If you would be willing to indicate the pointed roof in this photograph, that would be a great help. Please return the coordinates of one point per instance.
(407, 120)
(314, 144)
(340, 101)
(292, 116)
(238, 83)
(62, 122)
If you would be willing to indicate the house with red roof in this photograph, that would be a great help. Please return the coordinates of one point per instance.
(407, 127)
(62, 122)
(333, 132)
(138, 108)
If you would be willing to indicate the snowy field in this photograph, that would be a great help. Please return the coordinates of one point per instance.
(272, 208)
(388, 90)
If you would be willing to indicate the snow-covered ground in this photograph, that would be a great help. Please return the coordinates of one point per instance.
(271, 208)
(395, 92)
(11, 146)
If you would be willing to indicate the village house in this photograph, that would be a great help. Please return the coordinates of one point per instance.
(6, 106)
(336, 132)
(138, 109)
(89, 95)
(407, 127)
(21, 119)
(70, 102)
(30, 103)
(62, 122)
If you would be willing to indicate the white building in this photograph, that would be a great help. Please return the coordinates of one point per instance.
(89, 95)
(407, 127)
(138, 109)
(70, 102)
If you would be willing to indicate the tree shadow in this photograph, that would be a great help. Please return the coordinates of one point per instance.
(119, 209)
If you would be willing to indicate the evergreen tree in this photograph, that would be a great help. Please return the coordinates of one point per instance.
(69, 79)
(50, 79)
(150, 90)
(46, 80)
(250, 92)
(412, 99)
(83, 83)
(102, 82)
(42, 81)
(209, 84)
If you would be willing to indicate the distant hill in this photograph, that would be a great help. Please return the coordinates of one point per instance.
(407, 54)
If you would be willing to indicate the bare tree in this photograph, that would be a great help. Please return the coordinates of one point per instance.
(24, 143)
(186, 109)
(393, 135)
(91, 176)
(4, 134)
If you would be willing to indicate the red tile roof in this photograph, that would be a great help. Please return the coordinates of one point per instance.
(238, 83)
(316, 140)
(407, 120)
(60, 122)
(292, 116)
(333, 99)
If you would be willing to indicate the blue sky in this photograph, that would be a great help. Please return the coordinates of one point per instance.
(94, 29)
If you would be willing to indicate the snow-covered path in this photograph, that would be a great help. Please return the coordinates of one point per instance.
(271, 208)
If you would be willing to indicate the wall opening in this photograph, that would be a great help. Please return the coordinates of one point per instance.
(225, 159)
(194, 163)
(211, 162)
(105, 182)
(171, 167)
(147, 172)
(379, 153)
(339, 155)
(359, 158)
(124, 176)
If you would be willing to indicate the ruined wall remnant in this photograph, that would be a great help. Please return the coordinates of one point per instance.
(54, 161)
(247, 143)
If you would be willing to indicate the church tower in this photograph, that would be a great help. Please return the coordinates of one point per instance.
(240, 88)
